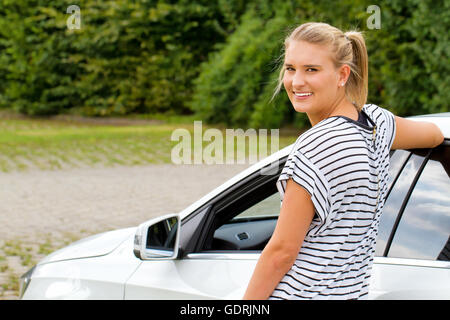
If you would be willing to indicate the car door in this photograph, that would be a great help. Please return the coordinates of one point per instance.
(413, 245)
(218, 263)
(222, 244)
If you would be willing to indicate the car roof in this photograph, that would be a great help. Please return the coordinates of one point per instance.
(442, 120)
(442, 114)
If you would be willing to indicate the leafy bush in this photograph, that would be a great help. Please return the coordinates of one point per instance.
(410, 57)
(35, 59)
(218, 59)
(128, 56)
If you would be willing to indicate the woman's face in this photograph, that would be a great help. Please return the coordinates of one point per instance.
(311, 80)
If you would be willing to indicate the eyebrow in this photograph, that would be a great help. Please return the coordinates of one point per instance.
(305, 65)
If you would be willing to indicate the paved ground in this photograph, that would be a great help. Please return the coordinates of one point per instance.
(44, 210)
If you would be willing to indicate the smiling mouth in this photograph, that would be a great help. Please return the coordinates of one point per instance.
(303, 94)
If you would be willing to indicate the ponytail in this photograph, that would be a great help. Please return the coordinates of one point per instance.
(357, 83)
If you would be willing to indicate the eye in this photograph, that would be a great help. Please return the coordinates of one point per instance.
(290, 69)
(311, 69)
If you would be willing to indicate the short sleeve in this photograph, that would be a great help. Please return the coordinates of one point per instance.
(390, 126)
(307, 175)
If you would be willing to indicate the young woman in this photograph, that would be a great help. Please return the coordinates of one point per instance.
(334, 183)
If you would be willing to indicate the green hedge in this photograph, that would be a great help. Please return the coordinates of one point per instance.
(410, 57)
(217, 59)
(128, 56)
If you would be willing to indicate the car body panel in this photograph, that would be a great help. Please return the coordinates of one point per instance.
(101, 277)
(93, 246)
(409, 279)
(198, 276)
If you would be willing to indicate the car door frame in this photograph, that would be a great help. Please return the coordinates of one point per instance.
(386, 280)
(445, 144)
(406, 197)
(198, 225)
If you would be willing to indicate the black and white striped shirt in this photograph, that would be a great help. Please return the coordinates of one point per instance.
(343, 164)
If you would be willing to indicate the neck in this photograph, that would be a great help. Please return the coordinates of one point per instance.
(342, 107)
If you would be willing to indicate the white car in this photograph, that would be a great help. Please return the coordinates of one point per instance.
(209, 250)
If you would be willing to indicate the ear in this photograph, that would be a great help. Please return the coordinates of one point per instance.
(343, 74)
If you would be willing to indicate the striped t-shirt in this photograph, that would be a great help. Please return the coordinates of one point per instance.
(343, 164)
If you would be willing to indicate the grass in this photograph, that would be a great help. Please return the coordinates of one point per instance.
(58, 143)
(50, 146)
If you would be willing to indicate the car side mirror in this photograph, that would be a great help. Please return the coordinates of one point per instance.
(158, 238)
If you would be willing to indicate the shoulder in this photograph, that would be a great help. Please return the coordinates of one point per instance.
(385, 122)
(319, 139)
(378, 114)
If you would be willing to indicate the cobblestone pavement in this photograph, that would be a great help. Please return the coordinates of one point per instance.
(44, 210)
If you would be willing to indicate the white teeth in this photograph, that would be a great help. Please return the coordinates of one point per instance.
(302, 94)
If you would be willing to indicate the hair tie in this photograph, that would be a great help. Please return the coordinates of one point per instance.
(346, 36)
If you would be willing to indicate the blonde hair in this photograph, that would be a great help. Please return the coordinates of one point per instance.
(346, 48)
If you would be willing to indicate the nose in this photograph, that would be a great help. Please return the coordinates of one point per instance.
(298, 80)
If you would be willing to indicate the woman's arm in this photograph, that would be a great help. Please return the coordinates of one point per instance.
(412, 134)
(297, 212)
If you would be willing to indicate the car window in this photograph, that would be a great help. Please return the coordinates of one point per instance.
(397, 160)
(251, 228)
(270, 206)
(245, 218)
(397, 194)
(424, 229)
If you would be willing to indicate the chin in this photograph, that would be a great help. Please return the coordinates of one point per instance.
(301, 107)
